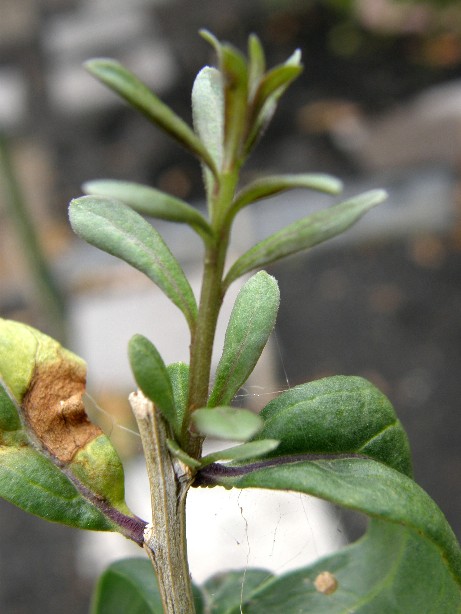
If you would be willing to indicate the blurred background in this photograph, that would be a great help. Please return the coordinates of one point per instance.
(378, 105)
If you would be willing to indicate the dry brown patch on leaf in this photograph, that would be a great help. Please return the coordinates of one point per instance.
(54, 409)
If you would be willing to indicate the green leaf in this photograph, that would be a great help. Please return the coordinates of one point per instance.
(305, 233)
(251, 322)
(391, 569)
(208, 116)
(114, 228)
(151, 202)
(33, 483)
(152, 377)
(337, 415)
(54, 462)
(256, 64)
(233, 68)
(128, 586)
(136, 93)
(274, 184)
(174, 448)
(178, 373)
(226, 423)
(363, 485)
(226, 591)
(251, 449)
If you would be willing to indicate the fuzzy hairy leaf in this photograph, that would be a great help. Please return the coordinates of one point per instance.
(305, 233)
(114, 228)
(135, 92)
(53, 461)
(226, 423)
(391, 569)
(208, 116)
(149, 201)
(274, 184)
(337, 415)
(250, 325)
(152, 377)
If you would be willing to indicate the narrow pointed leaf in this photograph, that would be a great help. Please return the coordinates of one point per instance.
(232, 66)
(136, 93)
(152, 377)
(337, 415)
(208, 116)
(178, 373)
(274, 184)
(250, 325)
(391, 569)
(53, 461)
(227, 423)
(256, 64)
(174, 448)
(244, 451)
(149, 201)
(305, 233)
(363, 485)
(116, 229)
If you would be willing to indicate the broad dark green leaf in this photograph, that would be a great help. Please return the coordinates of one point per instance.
(149, 201)
(251, 322)
(251, 449)
(135, 92)
(337, 415)
(129, 586)
(179, 376)
(225, 592)
(233, 68)
(392, 569)
(208, 116)
(360, 484)
(152, 377)
(274, 184)
(114, 228)
(226, 423)
(305, 233)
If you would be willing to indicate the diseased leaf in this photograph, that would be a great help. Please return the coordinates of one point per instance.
(274, 184)
(149, 201)
(391, 569)
(337, 415)
(114, 228)
(226, 591)
(305, 233)
(226, 423)
(250, 325)
(208, 116)
(152, 377)
(53, 461)
(363, 485)
(135, 92)
(251, 449)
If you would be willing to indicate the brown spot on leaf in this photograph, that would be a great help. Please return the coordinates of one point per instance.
(326, 583)
(54, 409)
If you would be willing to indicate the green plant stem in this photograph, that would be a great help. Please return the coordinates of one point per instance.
(211, 298)
(169, 480)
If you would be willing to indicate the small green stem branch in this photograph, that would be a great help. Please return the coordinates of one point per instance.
(165, 538)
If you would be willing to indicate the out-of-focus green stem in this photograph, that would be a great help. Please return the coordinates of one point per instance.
(50, 298)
